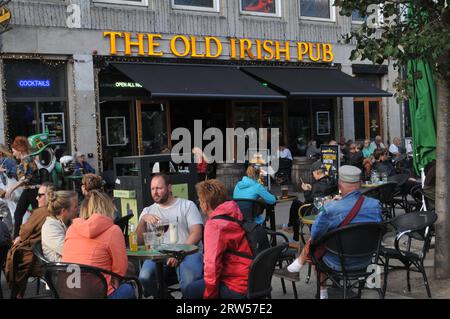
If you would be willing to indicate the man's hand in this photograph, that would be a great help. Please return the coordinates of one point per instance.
(172, 262)
(16, 240)
(306, 187)
(152, 219)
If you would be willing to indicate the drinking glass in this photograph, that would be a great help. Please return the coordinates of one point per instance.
(284, 191)
(149, 239)
(161, 227)
(173, 233)
(318, 203)
(384, 177)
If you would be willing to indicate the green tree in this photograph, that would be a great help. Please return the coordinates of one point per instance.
(414, 29)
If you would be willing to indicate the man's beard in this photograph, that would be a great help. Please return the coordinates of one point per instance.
(163, 198)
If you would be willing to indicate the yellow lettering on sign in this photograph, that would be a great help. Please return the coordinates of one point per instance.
(286, 51)
(233, 54)
(317, 56)
(112, 40)
(173, 46)
(328, 55)
(258, 50)
(302, 48)
(152, 44)
(268, 48)
(245, 48)
(139, 43)
(208, 41)
(194, 53)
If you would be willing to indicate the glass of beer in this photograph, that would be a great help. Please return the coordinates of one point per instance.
(284, 191)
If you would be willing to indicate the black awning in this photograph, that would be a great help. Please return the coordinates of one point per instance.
(370, 69)
(196, 81)
(320, 82)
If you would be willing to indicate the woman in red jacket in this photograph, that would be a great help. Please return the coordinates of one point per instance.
(225, 274)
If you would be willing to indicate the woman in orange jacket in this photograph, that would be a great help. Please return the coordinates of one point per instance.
(94, 240)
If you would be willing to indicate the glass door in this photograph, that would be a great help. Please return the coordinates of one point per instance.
(368, 118)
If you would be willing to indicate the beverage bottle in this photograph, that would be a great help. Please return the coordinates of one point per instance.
(133, 239)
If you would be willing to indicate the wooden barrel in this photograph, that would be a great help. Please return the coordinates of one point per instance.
(301, 168)
(230, 174)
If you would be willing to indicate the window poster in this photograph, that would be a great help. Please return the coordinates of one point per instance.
(323, 123)
(259, 6)
(115, 131)
(53, 123)
(195, 3)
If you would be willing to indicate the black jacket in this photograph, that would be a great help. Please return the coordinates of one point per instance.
(323, 187)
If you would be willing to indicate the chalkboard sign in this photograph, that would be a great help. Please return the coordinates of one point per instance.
(53, 124)
(330, 158)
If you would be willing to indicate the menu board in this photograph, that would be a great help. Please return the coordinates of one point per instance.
(330, 158)
(53, 124)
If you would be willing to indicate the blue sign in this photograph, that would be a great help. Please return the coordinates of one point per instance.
(34, 83)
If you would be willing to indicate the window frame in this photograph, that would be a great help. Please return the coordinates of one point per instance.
(215, 8)
(277, 13)
(332, 14)
(143, 3)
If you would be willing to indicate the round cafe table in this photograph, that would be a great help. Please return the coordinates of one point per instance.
(159, 255)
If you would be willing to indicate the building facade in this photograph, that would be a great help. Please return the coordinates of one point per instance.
(115, 77)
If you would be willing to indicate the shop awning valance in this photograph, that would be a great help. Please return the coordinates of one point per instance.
(320, 82)
(196, 81)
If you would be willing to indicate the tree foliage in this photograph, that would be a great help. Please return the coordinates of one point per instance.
(415, 29)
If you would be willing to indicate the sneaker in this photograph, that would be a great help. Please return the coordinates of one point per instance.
(286, 274)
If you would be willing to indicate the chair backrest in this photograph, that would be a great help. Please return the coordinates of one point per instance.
(400, 180)
(354, 240)
(384, 192)
(75, 281)
(122, 222)
(39, 253)
(250, 208)
(415, 222)
(261, 271)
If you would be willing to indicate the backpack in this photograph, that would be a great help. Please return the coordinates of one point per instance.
(256, 236)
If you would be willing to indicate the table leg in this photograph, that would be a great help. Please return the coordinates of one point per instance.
(161, 284)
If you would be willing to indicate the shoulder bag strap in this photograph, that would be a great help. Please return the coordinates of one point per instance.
(353, 212)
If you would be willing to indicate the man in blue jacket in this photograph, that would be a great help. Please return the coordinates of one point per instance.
(332, 215)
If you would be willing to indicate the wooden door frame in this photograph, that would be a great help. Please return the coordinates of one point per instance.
(366, 101)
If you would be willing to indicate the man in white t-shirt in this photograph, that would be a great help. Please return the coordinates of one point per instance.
(394, 149)
(190, 230)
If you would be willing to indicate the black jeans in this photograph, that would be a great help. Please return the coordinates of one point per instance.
(28, 197)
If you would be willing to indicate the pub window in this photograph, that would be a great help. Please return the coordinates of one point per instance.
(127, 2)
(261, 7)
(196, 5)
(37, 99)
(317, 10)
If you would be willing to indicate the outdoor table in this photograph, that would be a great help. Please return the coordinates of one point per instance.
(270, 211)
(159, 255)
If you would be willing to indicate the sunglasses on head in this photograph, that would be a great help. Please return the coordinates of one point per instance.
(39, 195)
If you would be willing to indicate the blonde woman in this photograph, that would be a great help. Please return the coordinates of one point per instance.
(63, 208)
(94, 240)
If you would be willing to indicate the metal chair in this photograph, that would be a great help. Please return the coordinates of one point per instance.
(415, 226)
(90, 284)
(122, 222)
(38, 252)
(261, 271)
(359, 240)
(400, 192)
(385, 194)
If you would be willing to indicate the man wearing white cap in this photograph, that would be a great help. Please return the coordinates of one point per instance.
(331, 217)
